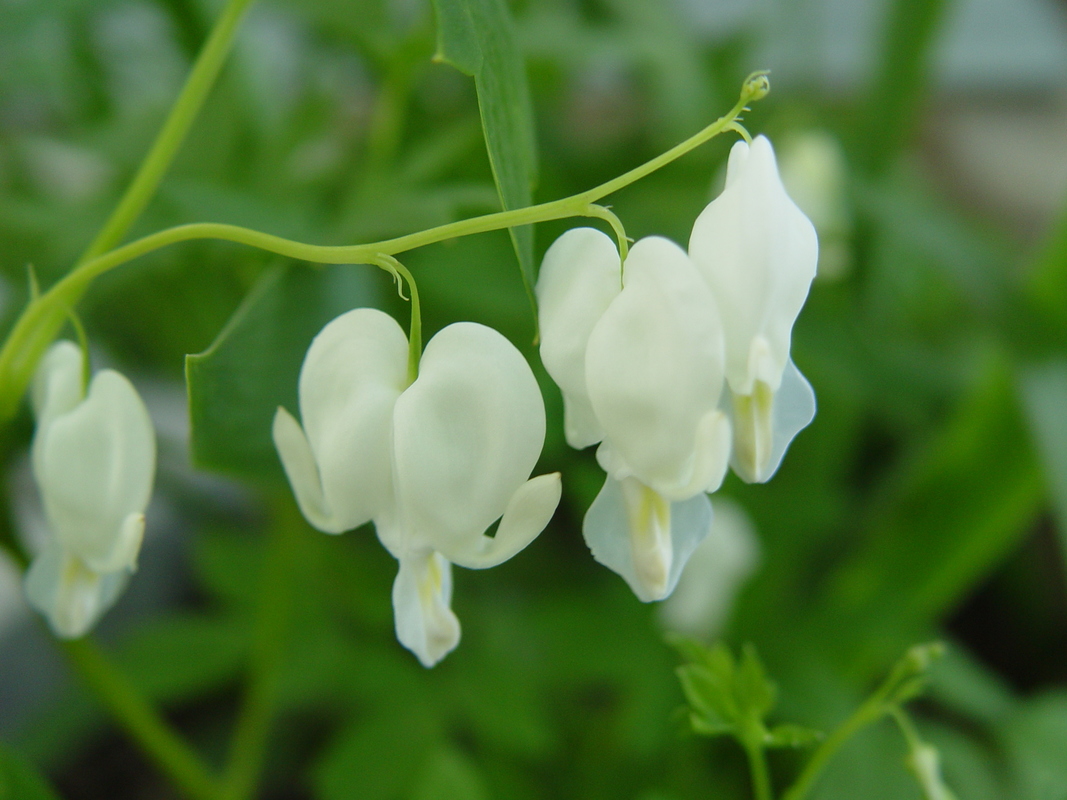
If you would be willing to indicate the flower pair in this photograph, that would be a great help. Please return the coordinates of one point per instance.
(680, 365)
(94, 455)
(433, 462)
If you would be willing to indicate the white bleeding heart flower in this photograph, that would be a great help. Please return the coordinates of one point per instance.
(433, 464)
(94, 457)
(758, 253)
(640, 360)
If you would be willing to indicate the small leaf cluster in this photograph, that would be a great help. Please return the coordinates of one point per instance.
(730, 696)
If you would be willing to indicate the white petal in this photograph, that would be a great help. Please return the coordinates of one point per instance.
(654, 368)
(627, 531)
(353, 373)
(70, 595)
(579, 277)
(303, 473)
(95, 466)
(700, 604)
(466, 435)
(529, 511)
(580, 425)
(766, 422)
(422, 594)
(58, 382)
(758, 253)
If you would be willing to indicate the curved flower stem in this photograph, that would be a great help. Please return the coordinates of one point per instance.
(251, 732)
(606, 214)
(152, 734)
(43, 317)
(903, 682)
(17, 362)
(401, 273)
(871, 711)
(172, 134)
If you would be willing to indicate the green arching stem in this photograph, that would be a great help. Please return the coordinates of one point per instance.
(172, 134)
(40, 322)
(15, 365)
(140, 720)
(899, 686)
(83, 345)
(606, 214)
(871, 711)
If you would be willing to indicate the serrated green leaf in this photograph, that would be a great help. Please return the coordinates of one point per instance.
(478, 38)
(20, 781)
(792, 736)
(754, 691)
(236, 385)
(706, 727)
(688, 648)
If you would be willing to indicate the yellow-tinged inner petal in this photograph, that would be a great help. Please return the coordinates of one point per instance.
(649, 515)
(754, 431)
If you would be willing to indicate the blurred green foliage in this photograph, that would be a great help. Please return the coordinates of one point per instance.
(936, 466)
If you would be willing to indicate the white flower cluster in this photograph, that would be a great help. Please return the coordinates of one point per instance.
(676, 363)
(681, 366)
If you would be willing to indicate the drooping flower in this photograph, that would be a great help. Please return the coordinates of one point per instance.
(433, 464)
(758, 253)
(639, 358)
(94, 457)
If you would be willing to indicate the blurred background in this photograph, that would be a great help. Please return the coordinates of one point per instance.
(927, 139)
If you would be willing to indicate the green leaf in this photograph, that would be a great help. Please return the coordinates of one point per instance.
(20, 781)
(1044, 391)
(478, 38)
(236, 385)
(792, 736)
(755, 693)
(1035, 738)
(708, 696)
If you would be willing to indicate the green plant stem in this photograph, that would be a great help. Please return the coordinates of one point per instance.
(172, 134)
(761, 777)
(252, 730)
(158, 741)
(871, 711)
(391, 265)
(16, 365)
(43, 317)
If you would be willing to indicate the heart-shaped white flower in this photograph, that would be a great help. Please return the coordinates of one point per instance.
(94, 456)
(433, 463)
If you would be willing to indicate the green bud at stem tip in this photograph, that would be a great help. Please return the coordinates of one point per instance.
(756, 86)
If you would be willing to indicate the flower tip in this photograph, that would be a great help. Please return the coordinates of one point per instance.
(756, 86)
